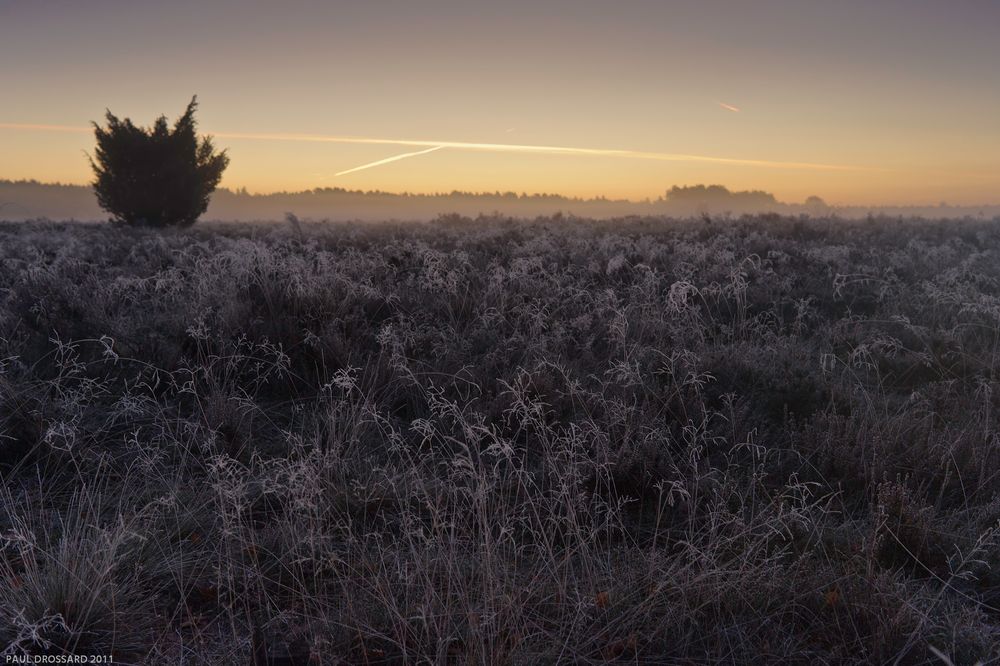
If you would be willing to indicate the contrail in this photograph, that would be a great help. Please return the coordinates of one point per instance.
(387, 160)
(45, 128)
(496, 147)
(729, 107)
(544, 150)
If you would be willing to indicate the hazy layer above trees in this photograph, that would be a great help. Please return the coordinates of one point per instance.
(21, 200)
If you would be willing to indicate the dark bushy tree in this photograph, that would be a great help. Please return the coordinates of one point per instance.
(156, 176)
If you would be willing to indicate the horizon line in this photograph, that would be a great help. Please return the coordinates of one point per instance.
(236, 190)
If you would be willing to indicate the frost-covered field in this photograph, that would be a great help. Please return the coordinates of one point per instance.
(487, 442)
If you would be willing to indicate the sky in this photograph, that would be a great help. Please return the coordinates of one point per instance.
(859, 102)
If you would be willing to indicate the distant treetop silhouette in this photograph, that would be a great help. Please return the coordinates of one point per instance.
(157, 176)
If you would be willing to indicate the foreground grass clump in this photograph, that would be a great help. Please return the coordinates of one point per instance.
(494, 441)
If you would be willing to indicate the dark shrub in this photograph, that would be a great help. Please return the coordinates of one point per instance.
(155, 177)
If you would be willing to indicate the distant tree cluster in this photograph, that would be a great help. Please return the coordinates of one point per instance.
(157, 176)
(719, 193)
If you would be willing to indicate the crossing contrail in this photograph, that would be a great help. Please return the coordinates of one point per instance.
(387, 160)
(490, 147)
(544, 150)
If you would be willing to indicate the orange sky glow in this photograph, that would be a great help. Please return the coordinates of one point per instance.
(890, 104)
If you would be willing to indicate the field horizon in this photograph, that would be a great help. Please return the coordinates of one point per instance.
(28, 199)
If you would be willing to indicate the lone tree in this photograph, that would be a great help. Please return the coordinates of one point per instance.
(157, 176)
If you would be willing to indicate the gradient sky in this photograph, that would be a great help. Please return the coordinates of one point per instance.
(902, 96)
